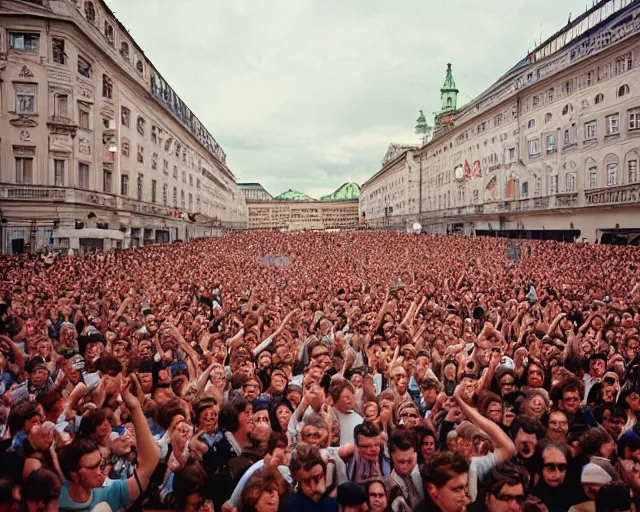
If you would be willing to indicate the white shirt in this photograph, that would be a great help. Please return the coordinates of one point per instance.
(347, 423)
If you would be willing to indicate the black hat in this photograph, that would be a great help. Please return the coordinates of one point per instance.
(34, 363)
(598, 355)
(351, 494)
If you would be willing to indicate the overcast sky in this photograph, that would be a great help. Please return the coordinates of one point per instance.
(308, 94)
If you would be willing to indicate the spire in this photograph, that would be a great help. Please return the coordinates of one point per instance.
(449, 82)
(421, 124)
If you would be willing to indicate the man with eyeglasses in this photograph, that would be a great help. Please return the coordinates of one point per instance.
(366, 457)
(507, 489)
(84, 467)
(571, 395)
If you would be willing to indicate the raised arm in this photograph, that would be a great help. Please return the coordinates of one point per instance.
(504, 448)
(148, 450)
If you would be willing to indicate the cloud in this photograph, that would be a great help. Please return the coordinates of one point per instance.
(308, 94)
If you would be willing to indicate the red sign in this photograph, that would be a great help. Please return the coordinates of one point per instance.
(467, 170)
(477, 171)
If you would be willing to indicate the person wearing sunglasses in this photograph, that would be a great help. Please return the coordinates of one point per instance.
(557, 491)
(507, 489)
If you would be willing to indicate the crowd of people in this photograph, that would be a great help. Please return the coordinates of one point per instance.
(367, 371)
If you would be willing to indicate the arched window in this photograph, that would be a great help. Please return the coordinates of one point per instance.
(532, 123)
(599, 98)
(623, 90)
(90, 11)
(548, 117)
(592, 173)
(631, 165)
(611, 167)
(566, 110)
(570, 182)
(124, 49)
(139, 67)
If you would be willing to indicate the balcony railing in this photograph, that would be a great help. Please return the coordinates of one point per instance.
(31, 192)
(613, 195)
(61, 120)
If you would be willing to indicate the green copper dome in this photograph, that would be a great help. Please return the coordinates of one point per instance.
(347, 192)
(292, 195)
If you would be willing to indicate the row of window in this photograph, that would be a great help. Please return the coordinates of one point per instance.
(24, 176)
(612, 127)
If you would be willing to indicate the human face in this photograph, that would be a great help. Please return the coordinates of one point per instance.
(278, 381)
(91, 470)
(194, 502)
(209, 420)
(494, 412)
(312, 435)
(554, 467)
(283, 414)
(346, 402)
(377, 498)
(356, 380)
(312, 483)
(508, 499)
(558, 428)
(535, 407)
(245, 419)
(369, 447)
(146, 381)
(507, 384)
(632, 348)
(452, 496)
(525, 444)
(261, 417)
(535, 376)
(251, 390)
(404, 461)
(400, 380)
(218, 378)
(613, 425)
(38, 377)
(633, 401)
(428, 447)
(371, 412)
(268, 501)
(591, 490)
(570, 402)
(294, 397)
(596, 368)
(410, 417)
(430, 396)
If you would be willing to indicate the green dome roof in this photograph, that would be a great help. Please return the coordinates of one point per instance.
(348, 191)
(292, 195)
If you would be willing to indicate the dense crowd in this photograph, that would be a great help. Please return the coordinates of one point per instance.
(366, 371)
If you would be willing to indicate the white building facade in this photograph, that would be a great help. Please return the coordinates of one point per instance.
(551, 150)
(96, 149)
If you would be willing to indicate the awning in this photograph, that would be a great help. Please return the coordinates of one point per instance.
(104, 234)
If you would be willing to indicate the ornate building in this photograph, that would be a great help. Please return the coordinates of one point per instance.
(551, 150)
(292, 211)
(96, 148)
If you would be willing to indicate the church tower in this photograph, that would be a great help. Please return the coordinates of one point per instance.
(449, 93)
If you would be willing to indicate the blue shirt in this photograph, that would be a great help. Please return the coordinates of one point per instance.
(116, 496)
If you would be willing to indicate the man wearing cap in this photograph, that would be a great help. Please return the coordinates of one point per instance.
(351, 497)
(593, 479)
(38, 382)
